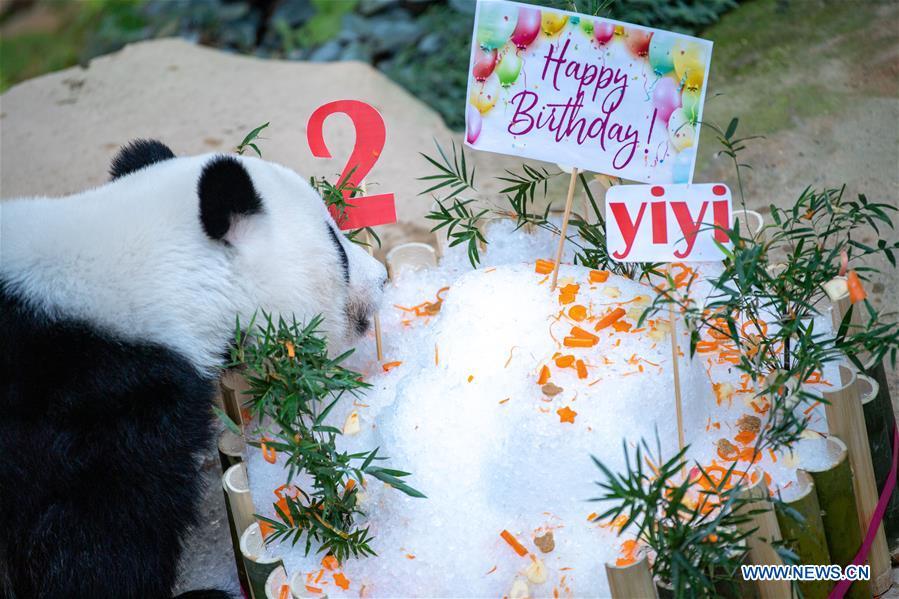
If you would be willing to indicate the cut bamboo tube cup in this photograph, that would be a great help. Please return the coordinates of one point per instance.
(231, 449)
(767, 533)
(834, 488)
(257, 561)
(846, 420)
(806, 538)
(237, 489)
(630, 582)
(878, 410)
(409, 257)
(879, 422)
(233, 385)
(751, 222)
(564, 231)
(276, 583)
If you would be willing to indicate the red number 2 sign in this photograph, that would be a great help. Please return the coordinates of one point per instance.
(362, 211)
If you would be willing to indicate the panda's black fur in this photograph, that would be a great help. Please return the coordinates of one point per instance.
(138, 154)
(99, 436)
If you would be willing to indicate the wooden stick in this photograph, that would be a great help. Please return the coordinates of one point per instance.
(846, 420)
(806, 538)
(568, 201)
(834, 488)
(763, 521)
(675, 359)
(379, 348)
(630, 581)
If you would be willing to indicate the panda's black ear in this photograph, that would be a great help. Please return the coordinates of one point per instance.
(226, 194)
(138, 154)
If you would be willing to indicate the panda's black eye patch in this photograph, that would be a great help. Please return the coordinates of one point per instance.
(341, 251)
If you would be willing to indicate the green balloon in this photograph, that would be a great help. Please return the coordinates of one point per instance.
(587, 27)
(508, 68)
(690, 103)
(660, 58)
(496, 22)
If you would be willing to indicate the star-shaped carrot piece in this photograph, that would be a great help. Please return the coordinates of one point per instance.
(341, 581)
(566, 414)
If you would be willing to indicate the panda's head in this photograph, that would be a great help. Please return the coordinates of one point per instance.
(270, 230)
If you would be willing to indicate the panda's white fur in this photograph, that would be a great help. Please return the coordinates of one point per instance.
(131, 257)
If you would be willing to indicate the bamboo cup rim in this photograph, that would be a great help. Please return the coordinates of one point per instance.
(757, 216)
(835, 448)
(276, 579)
(868, 388)
(847, 379)
(413, 255)
(252, 546)
(235, 479)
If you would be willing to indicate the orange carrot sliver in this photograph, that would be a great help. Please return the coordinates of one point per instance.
(341, 581)
(610, 318)
(544, 376)
(856, 291)
(581, 369)
(579, 342)
(544, 267)
(509, 538)
(577, 312)
(388, 366)
(284, 593)
(329, 562)
(581, 333)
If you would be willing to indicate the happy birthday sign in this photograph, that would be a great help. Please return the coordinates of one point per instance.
(602, 95)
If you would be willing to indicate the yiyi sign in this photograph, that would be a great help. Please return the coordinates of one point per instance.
(667, 223)
(601, 95)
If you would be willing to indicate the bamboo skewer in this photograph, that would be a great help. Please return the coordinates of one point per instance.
(675, 367)
(846, 420)
(565, 217)
(634, 580)
(763, 522)
(376, 318)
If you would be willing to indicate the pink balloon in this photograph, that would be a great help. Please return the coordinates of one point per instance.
(603, 31)
(484, 63)
(528, 27)
(638, 41)
(472, 124)
(665, 98)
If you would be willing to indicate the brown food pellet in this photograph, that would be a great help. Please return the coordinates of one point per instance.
(545, 542)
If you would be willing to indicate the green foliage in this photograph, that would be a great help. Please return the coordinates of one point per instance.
(294, 385)
(335, 196)
(249, 141)
(686, 16)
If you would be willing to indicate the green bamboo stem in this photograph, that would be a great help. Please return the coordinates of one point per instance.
(839, 513)
(846, 420)
(879, 421)
(634, 580)
(765, 533)
(258, 562)
(806, 538)
(239, 506)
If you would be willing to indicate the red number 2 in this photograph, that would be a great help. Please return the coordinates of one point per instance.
(362, 211)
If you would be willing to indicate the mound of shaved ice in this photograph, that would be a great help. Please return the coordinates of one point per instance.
(465, 411)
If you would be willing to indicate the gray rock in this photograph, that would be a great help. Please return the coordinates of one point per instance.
(353, 27)
(430, 43)
(371, 7)
(393, 31)
(329, 51)
(294, 12)
(357, 50)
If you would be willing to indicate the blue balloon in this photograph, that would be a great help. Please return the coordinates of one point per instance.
(660, 58)
(683, 162)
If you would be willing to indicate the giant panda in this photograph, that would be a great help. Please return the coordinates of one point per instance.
(116, 310)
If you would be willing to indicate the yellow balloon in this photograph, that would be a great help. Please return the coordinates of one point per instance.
(484, 95)
(689, 63)
(681, 132)
(553, 22)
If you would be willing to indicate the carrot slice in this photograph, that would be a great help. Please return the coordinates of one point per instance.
(509, 538)
(544, 376)
(582, 334)
(579, 342)
(622, 326)
(565, 361)
(704, 347)
(544, 267)
(745, 437)
(610, 318)
(581, 369)
(856, 291)
(388, 366)
(577, 312)
(285, 592)
(341, 581)
(599, 276)
(329, 562)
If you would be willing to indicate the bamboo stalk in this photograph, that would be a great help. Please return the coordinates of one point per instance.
(834, 488)
(846, 420)
(806, 538)
(257, 561)
(765, 532)
(629, 582)
(564, 231)
(232, 479)
(376, 318)
(276, 585)
(233, 385)
(675, 367)
(410, 256)
(231, 449)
